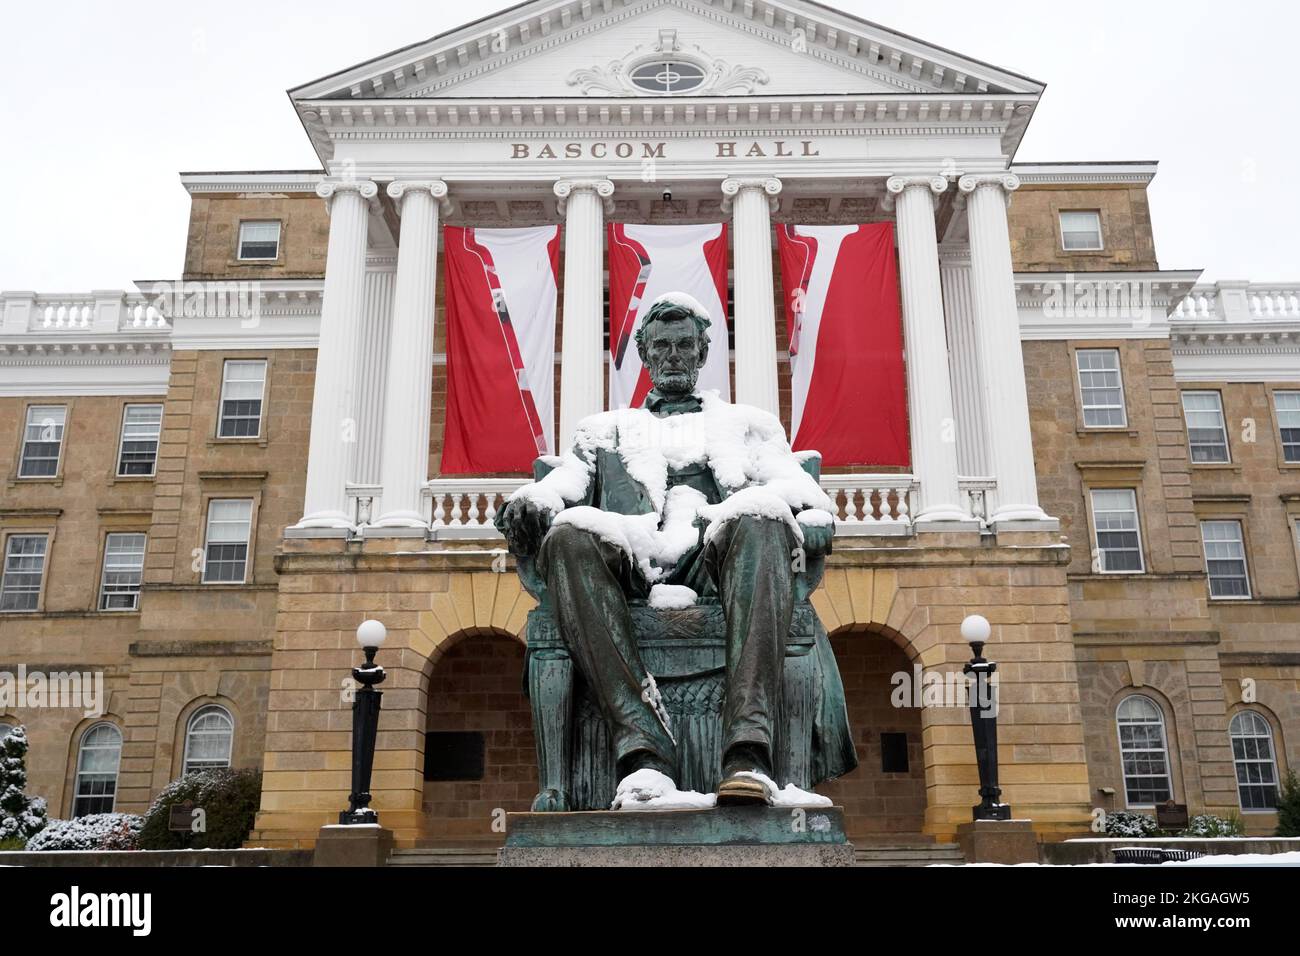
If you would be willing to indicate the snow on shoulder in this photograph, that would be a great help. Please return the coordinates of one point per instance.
(744, 447)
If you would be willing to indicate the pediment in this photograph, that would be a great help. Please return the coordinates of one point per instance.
(577, 48)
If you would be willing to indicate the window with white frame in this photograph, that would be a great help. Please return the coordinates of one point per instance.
(259, 240)
(208, 739)
(138, 451)
(98, 759)
(1115, 523)
(1288, 423)
(119, 588)
(1100, 388)
(42, 441)
(1252, 752)
(226, 550)
(242, 384)
(1207, 435)
(24, 569)
(1143, 752)
(1225, 559)
(1081, 231)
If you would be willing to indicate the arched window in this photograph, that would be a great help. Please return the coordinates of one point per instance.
(1143, 752)
(208, 739)
(1252, 753)
(97, 762)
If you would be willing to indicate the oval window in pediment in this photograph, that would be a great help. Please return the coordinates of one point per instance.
(667, 76)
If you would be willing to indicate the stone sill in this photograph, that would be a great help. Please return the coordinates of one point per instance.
(1090, 432)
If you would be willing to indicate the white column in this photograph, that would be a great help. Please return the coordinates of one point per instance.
(929, 386)
(963, 361)
(582, 203)
(1001, 363)
(752, 202)
(404, 455)
(332, 454)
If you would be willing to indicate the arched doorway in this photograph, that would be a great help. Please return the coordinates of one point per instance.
(480, 758)
(884, 798)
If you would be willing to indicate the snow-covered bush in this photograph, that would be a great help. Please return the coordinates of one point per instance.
(21, 816)
(95, 831)
(1123, 823)
(228, 798)
(1208, 825)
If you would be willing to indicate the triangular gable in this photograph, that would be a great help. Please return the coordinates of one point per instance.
(545, 48)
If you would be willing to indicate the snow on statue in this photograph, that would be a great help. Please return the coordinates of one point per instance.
(687, 496)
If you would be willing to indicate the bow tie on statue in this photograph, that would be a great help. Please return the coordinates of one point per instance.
(662, 405)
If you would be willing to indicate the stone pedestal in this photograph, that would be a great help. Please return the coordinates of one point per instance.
(998, 841)
(360, 845)
(728, 836)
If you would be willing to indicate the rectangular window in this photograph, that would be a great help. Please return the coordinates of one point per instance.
(1225, 559)
(1118, 541)
(42, 441)
(1207, 435)
(138, 453)
(226, 553)
(1081, 231)
(119, 590)
(1288, 423)
(242, 384)
(24, 568)
(259, 240)
(1100, 387)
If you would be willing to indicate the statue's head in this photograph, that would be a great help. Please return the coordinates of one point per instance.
(673, 342)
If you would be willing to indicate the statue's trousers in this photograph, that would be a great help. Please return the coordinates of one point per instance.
(748, 564)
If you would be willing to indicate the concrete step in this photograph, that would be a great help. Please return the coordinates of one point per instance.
(914, 854)
(444, 856)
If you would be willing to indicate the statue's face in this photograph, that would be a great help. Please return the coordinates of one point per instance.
(673, 355)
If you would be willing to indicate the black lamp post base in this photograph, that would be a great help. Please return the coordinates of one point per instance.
(354, 818)
(991, 811)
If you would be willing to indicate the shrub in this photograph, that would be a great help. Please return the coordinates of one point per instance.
(20, 815)
(1123, 823)
(12, 843)
(1208, 825)
(1288, 806)
(228, 799)
(95, 831)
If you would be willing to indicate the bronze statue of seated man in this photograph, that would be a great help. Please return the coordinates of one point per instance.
(689, 495)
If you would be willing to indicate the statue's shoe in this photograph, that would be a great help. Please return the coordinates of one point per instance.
(742, 788)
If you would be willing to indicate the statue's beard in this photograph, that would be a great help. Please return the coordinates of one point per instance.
(676, 381)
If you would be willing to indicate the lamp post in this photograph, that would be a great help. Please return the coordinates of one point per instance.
(365, 725)
(984, 720)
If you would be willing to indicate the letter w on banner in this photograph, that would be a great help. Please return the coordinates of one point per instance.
(644, 263)
(847, 386)
(500, 295)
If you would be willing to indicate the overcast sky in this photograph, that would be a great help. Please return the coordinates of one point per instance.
(101, 104)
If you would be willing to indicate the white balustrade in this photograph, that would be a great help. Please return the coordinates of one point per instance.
(1240, 302)
(463, 508)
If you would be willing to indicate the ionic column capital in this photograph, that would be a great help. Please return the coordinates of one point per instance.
(1007, 182)
(436, 188)
(732, 187)
(328, 189)
(895, 186)
(602, 188)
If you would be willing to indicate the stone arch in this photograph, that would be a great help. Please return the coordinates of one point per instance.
(183, 692)
(878, 803)
(181, 725)
(1281, 709)
(475, 696)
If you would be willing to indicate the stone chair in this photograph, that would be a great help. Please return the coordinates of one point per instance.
(685, 650)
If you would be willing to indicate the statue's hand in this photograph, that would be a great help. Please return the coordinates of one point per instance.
(817, 540)
(524, 525)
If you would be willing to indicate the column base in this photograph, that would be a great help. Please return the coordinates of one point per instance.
(932, 523)
(294, 531)
(330, 520)
(358, 845)
(998, 841)
(400, 520)
(420, 531)
(1000, 525)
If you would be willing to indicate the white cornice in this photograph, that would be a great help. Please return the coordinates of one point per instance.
(1071, 174)
(1099, 305)
(292, 181)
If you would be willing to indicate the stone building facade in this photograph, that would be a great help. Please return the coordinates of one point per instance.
(215, 570)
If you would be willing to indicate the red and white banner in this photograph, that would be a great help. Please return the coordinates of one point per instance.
(644, 263)
(847, 385)
(500, 298)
